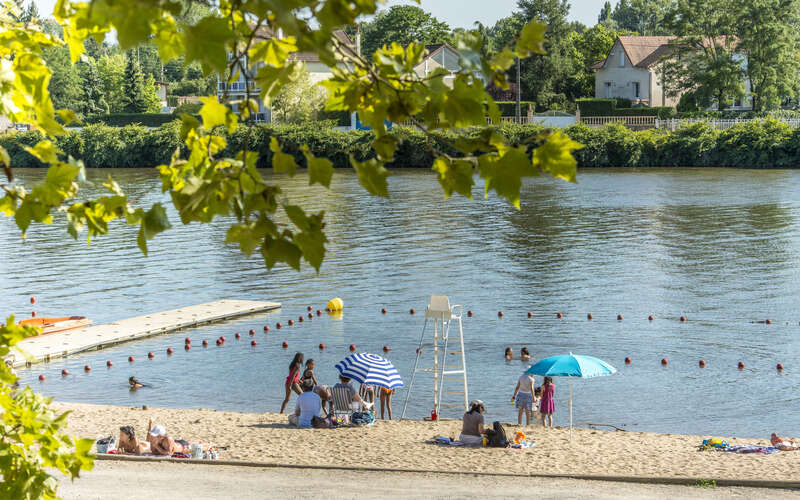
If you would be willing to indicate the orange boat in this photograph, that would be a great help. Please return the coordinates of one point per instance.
(55, 325)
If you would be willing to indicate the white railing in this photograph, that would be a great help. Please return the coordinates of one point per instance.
(635, 121)
(719, 124)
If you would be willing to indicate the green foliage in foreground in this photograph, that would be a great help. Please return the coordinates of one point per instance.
(31, 434)
(756, 144)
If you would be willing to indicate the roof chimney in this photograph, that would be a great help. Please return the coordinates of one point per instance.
(358, 39)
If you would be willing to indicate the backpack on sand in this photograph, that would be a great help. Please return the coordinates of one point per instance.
(496, 436)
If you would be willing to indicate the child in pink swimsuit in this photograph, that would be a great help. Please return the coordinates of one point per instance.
(547, 405)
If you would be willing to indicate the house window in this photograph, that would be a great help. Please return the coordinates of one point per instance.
(608, 90)
(621, 58)
(636, 90)
(737, 103)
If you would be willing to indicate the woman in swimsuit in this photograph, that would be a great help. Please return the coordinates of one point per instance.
(293, 380)
(128, 442)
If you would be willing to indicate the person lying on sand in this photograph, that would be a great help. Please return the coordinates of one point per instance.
(160, 443)
(782, 444)
(128, 442)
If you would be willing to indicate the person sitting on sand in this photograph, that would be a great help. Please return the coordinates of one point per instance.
(325, 396)
(307, 406)
(160, 443)
(128, 442)
(472, 424)
(523, 394)
(525, 354)
(356, 400)
(782, 444)
(509, 354)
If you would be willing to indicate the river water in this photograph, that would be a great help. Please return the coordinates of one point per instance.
(719, 246)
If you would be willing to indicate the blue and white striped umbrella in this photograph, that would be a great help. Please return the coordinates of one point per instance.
(370, 369)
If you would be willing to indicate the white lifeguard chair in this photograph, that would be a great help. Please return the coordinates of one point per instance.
(448, 365)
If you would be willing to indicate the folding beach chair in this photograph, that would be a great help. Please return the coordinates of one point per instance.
(342, 401)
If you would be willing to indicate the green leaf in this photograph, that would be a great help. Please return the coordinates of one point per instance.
(281, 162)
(372, 176)
(555, 157)
(455, 176)
(215, 113)
(153, 222)
(208, 42)
(503, 172)
(531, 39)
(276, 250)
(320, 170)
(385, 146)
(45, 150)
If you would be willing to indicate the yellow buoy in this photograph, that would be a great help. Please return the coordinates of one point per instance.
(335, 304)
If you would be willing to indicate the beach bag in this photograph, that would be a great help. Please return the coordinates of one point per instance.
(360, 417)
(106, 445)
(318, 422)
(496, 436)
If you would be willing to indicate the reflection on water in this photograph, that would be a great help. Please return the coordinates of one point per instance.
(719, 246)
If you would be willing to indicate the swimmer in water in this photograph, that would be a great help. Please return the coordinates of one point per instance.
(525, 354)
(509, 354)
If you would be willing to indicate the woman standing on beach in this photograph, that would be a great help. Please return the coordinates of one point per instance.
(523, 394)
(293, 380)
(547, 406)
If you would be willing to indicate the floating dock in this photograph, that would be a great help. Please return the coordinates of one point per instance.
(61, 345)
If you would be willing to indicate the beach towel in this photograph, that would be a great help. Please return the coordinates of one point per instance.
(751, 448)
(522, 445)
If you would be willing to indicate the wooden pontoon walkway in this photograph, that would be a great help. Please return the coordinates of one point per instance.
(57, 345)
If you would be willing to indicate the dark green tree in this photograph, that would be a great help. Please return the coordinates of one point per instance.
(770, 43)
(133, 98)
(505, 30)
(65, 82)
(704, 60)
(402, 24)
(645, 17)
(31, 13)
(605, 16)
(94, 101)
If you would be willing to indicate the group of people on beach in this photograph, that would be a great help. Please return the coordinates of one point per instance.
(529, 399)
(157, 442)
(313, 396)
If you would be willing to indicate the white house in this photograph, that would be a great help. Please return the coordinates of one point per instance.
(237, 91)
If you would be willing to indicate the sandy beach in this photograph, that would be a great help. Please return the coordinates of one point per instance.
(267, 438)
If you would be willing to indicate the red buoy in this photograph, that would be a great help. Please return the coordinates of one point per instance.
(619, 317)
(266, 328)
(651, 318)
(33, 300)
(130, 359)
(252, 332)
(253, 343)
(530, 314)
(383, 310)
(310, 316)
(64, 372)
(469, 313)
(664, 361)
(301, 318)
(285, 344)
(205, 343)
(702, 363)
(170, 351)
(627, 361)
(412, 310)
(219, 342)
(291, 322)
(238, 335)
(109, 364)
(559, 315)
(278, 325)
(319, 313)
(187, 340)
(779, 367)
(151, 355)
(683, 319)
(187, 347)
(352, 347)
(589, 316)
(768, 321)
(309, 308)
(386, 348)
(321, 347)
(741, 365)
(87, 368)
(41, 378)
(499, 314)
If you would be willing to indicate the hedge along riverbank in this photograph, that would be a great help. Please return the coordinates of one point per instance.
(756, 144)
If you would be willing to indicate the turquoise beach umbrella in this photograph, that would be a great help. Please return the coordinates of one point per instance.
(571, 365)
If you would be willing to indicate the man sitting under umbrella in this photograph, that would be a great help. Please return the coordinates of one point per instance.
(307, 407)
(357, 402)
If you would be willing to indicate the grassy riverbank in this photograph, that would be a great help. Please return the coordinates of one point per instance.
(756, 144)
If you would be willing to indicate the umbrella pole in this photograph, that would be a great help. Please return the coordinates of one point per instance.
(570, 408)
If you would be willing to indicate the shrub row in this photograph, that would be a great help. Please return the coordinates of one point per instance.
(756, 144)
(509, 108)
(122, 119)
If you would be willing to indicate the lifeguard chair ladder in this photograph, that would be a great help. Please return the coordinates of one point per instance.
(440, 316)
